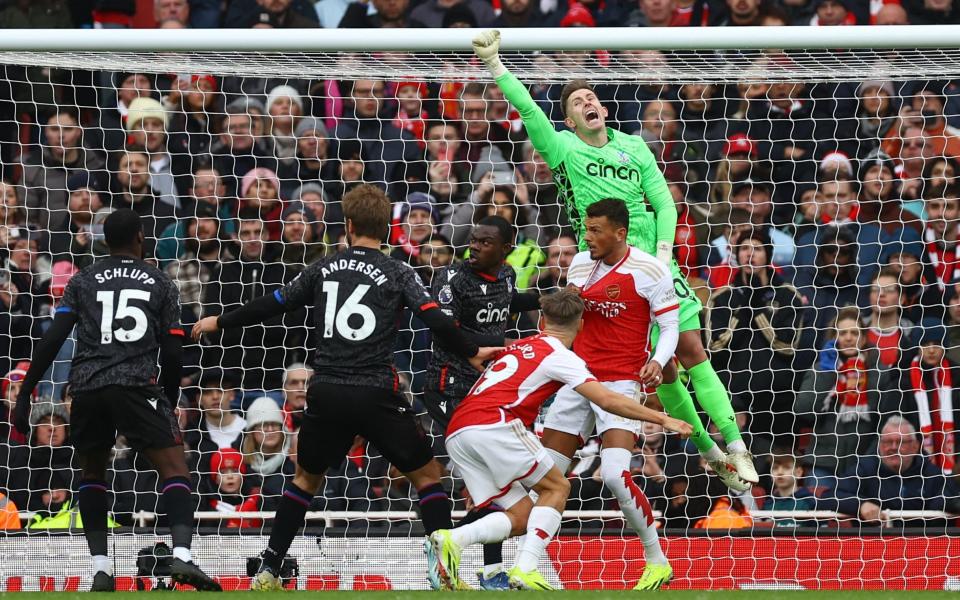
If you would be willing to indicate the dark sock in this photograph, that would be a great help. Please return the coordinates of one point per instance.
(92, 496)
(434, 508)
(492, 553)
(290, 513)
(178, 500)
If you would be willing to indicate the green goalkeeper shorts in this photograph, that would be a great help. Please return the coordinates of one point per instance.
(690, 306)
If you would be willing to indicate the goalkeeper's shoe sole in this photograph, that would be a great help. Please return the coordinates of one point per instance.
(266, 581)
(654, 577)
(728, 474)
(743, 463)
(187, 573)
(528, 580)
(447, 553)
(103, 582)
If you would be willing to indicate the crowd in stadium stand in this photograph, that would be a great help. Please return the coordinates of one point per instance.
(818, 222)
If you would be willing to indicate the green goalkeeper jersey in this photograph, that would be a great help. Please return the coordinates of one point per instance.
(623, 168)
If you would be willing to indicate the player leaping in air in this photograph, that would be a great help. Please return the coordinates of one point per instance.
(499, 459)
(592, 162)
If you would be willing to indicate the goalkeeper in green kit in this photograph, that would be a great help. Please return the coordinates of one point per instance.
(592, 162)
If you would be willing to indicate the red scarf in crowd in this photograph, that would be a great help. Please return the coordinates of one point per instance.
(935, 408)
(944, 261)
(852, 385)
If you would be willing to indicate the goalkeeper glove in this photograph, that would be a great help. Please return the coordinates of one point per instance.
(487, 47)
(665, 252)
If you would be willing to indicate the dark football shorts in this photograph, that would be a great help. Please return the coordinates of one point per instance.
(141, 414)
(336, 414)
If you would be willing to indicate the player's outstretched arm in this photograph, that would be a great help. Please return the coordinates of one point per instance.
(256, 311)
(43, 356)
(454, 338)
(543, 135)
(619, 404)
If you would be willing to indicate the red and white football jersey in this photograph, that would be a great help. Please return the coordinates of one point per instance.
(517, 384)
(620, 303)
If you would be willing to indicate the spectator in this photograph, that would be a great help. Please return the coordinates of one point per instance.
(42, 473)
(932, 12)
(939, 173)
(191, 106)
(388, 14)
(12, 215)
(739, 162)
(754, 199)
(411, 114)
(931, 381)
(279, 14)
(11, 387)
(831, 282)
(330, 12)
(692, 233)
(417, 220)
(940, 235)
(755, 328)
(522, 13)
(28, 269)
(172, 10)
(46, 171)
(952, 323)
(219, 426)
(653, 13)
(110, 133)
(36, 14)
(131, 189)
(302, 244)
(75, 242)
(238, 150)
(207, 200)
(898, 477)
(231, 489)
(265, 446)
(479, 134)
(541, 190)
(262, 350)
(327, 216)
(260, 199)
(876, 113)
(833, 12)
(844, 399)
(560, 253)
(888, 331)
(915, 149)
(742, 13)
(435, 254)
(296, 378)
(284, 107)
(922, 300)
(146, 125)
(388, 151)
(312, 162)
(891, 14)
(9, 514)
(788, 492)
(430, 13)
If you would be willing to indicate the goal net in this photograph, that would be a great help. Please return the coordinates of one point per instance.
(817, 194)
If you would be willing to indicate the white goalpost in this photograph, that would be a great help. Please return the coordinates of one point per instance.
(782, 133)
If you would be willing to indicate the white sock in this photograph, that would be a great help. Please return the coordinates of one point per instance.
(714, 453)
(491, 570)
(182, 553)
(561, 461)
(494, 527)
(615, 472)
(543, 524)
(102, 563)
(736, 446)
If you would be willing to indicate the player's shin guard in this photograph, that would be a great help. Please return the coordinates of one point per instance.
(434, 508)
(715, 400)
(677, 402)
(178, 501)
(289, 519)
(543, 524)
(615, 472)
(92, 496)
(493, 552)
(494, 527)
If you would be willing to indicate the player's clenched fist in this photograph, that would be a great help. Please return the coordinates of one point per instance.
(487, 47)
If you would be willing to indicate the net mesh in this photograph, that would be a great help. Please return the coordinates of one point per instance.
(239, 160)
